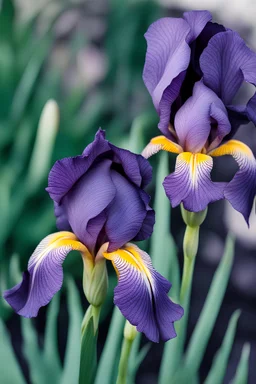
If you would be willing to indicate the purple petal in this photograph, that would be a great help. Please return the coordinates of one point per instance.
(66, 172)
(142, 294)
(87, 199)
(137, 169)
(44, 276)
(193, 120)
(167, 57)
(190, 183)
(241, 190)
(226, 62)
(126, 213)
(197, 21)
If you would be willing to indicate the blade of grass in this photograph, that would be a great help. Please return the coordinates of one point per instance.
(241, 376)
(32, 352)
(208, 316)
(107, 367)
(50, 352)
(219, 366)
(10, 371)
(72, 356)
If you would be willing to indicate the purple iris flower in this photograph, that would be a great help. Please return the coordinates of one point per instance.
(100, 206)
(193, 71)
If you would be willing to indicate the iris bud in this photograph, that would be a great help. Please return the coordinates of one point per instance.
(95, 282)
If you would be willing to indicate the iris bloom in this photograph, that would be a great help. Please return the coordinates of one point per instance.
(193, 71)
(100, 206)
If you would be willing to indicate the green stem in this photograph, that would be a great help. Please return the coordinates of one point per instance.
(88, 356)
(174, 348)
(129, 336)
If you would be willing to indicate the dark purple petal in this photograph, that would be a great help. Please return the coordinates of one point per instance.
(125, 214)
(87, 199)
(137, 169)
(147, 226)
(193, 120)
(226, 62)
(142, 294)
(241, 190)
(191, 184)
(44, 276)
(62, 222)
(66, 172)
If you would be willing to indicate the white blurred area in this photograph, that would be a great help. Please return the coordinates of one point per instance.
(235, 14)
(237, 225)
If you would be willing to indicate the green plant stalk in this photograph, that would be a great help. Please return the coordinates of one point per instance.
(88, 355)
(129, 336)
(173, 354)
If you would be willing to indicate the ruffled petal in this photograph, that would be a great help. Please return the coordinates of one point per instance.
(126, 213)
(142, 294)
(160, 143)
(66, 172)
(191, 184)
(193, 121)
(88, 198)
(138, 170)
(241, 190)
(44, 276)
(226, 62)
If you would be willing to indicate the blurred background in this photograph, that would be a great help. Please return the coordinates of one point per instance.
(89, 57)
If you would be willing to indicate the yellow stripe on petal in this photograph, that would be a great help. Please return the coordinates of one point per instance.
(195, 161)
(44, 276)
(235, 148)
(241, 190)
(129, 254)
(160, 143)
(191, 183)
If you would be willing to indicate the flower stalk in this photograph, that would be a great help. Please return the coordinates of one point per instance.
(130, 333)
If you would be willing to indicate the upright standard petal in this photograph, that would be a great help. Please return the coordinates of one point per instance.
(142, 294)
(167, 59)
(126, 214)
(88, 198)
(191, 184)
(197, 20)
(137, 169)
(193, 121)
(226, 62)
(66, 172)
(241, 190)
(44, 276)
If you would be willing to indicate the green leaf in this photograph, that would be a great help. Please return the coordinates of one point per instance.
(219, 366)
(241, 376)
(208, 316)
(10, 371)
(50, 352)
(107, 367)
(88, 359)
(136, 358)
(32, 352)
(7, 13)
(28, 81)
(72, 355)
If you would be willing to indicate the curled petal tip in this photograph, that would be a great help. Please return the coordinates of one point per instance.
(44, 275)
